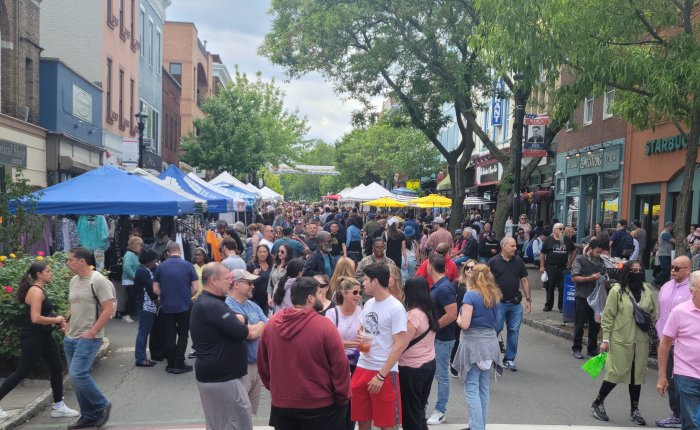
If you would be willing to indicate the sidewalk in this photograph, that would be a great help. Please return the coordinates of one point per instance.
(31, 397)
(552, 322)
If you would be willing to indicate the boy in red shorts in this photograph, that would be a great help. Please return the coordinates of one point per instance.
(375, 383)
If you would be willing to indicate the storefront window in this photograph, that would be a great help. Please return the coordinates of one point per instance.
(560, 209)
(611, 180)
(560, 186)
(573, 185)
(610, 208)
(572, 215)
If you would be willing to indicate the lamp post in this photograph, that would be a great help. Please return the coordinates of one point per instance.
(141, 118)
(519, 125)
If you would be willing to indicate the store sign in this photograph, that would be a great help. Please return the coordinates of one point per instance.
(13, 154)
(594, 162)
(666, 144)
(82, 104)
(488, 173)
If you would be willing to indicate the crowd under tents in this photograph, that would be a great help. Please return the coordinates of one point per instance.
(109, 190)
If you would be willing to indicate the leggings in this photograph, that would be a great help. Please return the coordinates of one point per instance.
(634, 390)
(35, 346)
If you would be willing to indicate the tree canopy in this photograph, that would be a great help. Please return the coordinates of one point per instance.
(245, 127)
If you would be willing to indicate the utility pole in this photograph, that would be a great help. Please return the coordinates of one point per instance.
(518, 150)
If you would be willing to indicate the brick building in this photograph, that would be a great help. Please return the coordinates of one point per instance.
(22, 142)
(171, 119)
(589, 165)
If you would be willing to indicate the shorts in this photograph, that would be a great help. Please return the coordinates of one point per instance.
(384, 407)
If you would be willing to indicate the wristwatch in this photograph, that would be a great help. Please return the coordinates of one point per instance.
(528, 300)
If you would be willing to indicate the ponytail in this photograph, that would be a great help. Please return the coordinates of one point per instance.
(278, 296)
(29, 278)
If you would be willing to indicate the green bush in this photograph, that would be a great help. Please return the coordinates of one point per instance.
(12, 268)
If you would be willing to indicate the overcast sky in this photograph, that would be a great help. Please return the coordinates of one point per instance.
(235, 29)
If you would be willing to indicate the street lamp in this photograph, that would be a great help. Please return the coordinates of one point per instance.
(520, 124)
(141, 118)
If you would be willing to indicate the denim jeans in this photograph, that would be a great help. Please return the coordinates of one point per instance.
(689, 393)
(146, 320)
(443, 349)
(511, 314)
(460, 260)
(476, 389)
(80, 354)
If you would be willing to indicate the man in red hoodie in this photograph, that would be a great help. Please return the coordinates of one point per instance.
(302, 361)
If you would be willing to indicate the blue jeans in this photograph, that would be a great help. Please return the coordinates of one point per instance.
(146, 320)
(689, 392)
(443, 350)
(511, 314)
(460, 260)
(80, 354)
(476, 389)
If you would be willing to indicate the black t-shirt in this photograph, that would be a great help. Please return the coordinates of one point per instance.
(556, 253)
(260, 286)
(219, 339)
(311, 242)
(393, 246)
(586, 266)
(337, 241)
(508, 275)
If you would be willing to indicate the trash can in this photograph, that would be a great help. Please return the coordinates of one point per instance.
(569, 311)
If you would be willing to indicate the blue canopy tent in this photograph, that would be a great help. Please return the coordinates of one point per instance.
(108, 190)
(216, 202)
(241, 193)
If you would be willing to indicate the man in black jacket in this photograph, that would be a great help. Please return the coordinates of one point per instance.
(219, 337)
(470, 248)
(320, 262)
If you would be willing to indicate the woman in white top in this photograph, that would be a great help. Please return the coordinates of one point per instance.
(524, 224)
(346, 317)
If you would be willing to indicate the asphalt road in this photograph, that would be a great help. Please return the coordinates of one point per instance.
(549, 389)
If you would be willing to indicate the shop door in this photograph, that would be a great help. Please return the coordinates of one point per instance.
(647, 211)
(590, 192)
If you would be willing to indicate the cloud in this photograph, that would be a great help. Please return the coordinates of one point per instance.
(234, 29)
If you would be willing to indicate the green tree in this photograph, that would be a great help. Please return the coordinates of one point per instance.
(647, 50)
(22, 228)
(301, 186)
(245, 127)
(272, 181)
(436, 59)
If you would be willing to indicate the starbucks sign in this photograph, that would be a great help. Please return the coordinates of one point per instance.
(664, 145)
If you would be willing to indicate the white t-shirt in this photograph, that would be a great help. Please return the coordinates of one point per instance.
(347, 326)
(383, 320)
(267, 243)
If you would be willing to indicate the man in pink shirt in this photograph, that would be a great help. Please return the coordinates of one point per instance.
(440, 235)
(683, 330)
(672, 294)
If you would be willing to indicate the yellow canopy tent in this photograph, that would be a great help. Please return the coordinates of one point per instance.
(432, 201)
(385, 202)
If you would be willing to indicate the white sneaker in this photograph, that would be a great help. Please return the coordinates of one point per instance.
(436, 418)
(63, 411)
(3, 414)
(127, 319)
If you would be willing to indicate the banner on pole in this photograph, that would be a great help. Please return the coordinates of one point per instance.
(535, 144)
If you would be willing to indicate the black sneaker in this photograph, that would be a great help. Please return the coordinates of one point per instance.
(104, 416)
(82, 423)
(636, 418)
(598, 410)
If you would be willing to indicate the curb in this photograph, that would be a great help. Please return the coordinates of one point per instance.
(569, 335)
(44, 399)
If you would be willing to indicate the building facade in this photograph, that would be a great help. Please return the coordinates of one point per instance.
(108, 55)
(22, 141)
(151, 21)
(590, 160)
(171, 119)
(71, 111)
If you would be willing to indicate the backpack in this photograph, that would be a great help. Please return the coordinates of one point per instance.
(98, 308)
(627, 245)
(529, 252)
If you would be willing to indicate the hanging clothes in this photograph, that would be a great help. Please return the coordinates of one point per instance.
(44, 243)
(93, 232)
(66, 235)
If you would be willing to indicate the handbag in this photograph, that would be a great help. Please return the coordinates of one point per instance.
(641, 317)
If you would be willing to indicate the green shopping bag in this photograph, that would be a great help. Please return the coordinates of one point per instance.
(594, 365)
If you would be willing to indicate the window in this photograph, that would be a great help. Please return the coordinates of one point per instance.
(121, 15)
(611, 180)
(607, 102)
(150, 43)
(133, 18)
(108, 98)
(143, 32)
(121, 96)
(175, 69)
(109, 10)
(610, 208)
(573, 185)
(588, 110)
(158, 48)
(28, 82)
(132, 91)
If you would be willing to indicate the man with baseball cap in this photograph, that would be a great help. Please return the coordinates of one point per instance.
(440, 235)
(238, 301)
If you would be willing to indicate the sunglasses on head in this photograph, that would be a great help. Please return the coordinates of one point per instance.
(677, 268)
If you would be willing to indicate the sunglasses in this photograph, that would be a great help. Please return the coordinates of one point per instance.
(469, 268)
(355, 292)
(322, 285)
(677, 268)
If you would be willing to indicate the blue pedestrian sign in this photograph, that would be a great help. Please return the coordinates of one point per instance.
(497, 112)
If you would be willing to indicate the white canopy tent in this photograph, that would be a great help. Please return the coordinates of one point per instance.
(238, 203)
(370, 192)
(227, 178)
(346, 192)
(172, 186)
(268, 194)
(477, 201)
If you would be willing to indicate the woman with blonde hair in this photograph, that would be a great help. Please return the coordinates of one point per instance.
(396, 283)
(344, 267)
(478, 347)
(461, 285)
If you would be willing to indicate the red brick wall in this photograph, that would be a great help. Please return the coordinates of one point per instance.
(172, 122)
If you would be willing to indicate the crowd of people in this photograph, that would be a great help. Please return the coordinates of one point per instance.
(373, 307)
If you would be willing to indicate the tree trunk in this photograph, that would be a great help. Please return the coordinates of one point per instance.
(682, 221)
(504, 207)
(458, 173)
